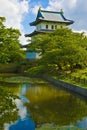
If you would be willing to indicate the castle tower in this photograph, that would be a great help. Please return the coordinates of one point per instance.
(48, 21)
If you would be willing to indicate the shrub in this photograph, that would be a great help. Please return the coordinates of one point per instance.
(39, 70)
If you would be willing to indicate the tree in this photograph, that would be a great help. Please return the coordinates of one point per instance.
(9, 44)
(63, 48)
(9, 52)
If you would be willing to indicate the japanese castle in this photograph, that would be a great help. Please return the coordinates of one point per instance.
(47, 21)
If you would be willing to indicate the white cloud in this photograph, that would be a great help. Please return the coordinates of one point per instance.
(54, 5)
(35, 8)
(81, 31)
(57, 5)
(14, 11)
(23, 39)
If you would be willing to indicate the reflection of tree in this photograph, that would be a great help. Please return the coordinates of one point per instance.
(8, 110)
(51, 105)
(13, 87)
(43, 92)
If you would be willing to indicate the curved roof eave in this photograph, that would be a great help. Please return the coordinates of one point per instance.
(35, 32)
(68, 22)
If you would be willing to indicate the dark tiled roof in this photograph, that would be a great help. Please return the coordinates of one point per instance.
(50, 16)
(35, 32)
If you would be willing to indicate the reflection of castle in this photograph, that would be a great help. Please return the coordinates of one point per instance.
(47, 21)
(24, 122)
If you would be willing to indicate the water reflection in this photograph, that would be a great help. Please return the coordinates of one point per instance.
(24, 122)
(52, 105)
(22, 109)
(82, 123)
(48, 104)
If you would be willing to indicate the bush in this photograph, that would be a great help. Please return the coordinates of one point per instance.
(34, 71)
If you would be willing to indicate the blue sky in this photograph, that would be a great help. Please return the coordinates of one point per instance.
(19, 13)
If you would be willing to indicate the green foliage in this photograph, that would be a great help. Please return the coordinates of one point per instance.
(8, 110)
(41, 70)
(38, 70)
(9, 44)
(65, 49)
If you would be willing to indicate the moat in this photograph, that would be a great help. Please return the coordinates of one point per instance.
(42, 103)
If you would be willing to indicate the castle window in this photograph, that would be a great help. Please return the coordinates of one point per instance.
(46, 26)
(52, 27)
(55, 26)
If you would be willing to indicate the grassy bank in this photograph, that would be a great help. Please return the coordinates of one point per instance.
(78, 77)
(15, 78)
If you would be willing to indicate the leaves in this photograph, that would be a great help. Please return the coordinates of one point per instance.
(63, 48)
(8, 109)
(9, 44)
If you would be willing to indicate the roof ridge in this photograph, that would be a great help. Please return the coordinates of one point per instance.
(50, 11)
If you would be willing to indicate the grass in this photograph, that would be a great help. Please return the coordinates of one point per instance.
(81, 74)
(13, 78)
(71, 81)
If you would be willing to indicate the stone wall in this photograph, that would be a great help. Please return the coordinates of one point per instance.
(8, 68)
(67, 86)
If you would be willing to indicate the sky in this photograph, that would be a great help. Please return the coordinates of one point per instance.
(19, 13)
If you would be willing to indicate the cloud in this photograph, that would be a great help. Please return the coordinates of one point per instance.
(14, 11)
(22, 109)
(56, 5)
(35, 8)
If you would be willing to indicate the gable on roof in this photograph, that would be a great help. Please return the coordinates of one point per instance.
(39, 15)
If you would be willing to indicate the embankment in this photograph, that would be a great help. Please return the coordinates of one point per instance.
(67, 86)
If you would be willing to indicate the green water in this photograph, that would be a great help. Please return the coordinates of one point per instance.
(50, 104)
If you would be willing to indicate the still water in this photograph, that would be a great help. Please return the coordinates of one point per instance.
(43, 103)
